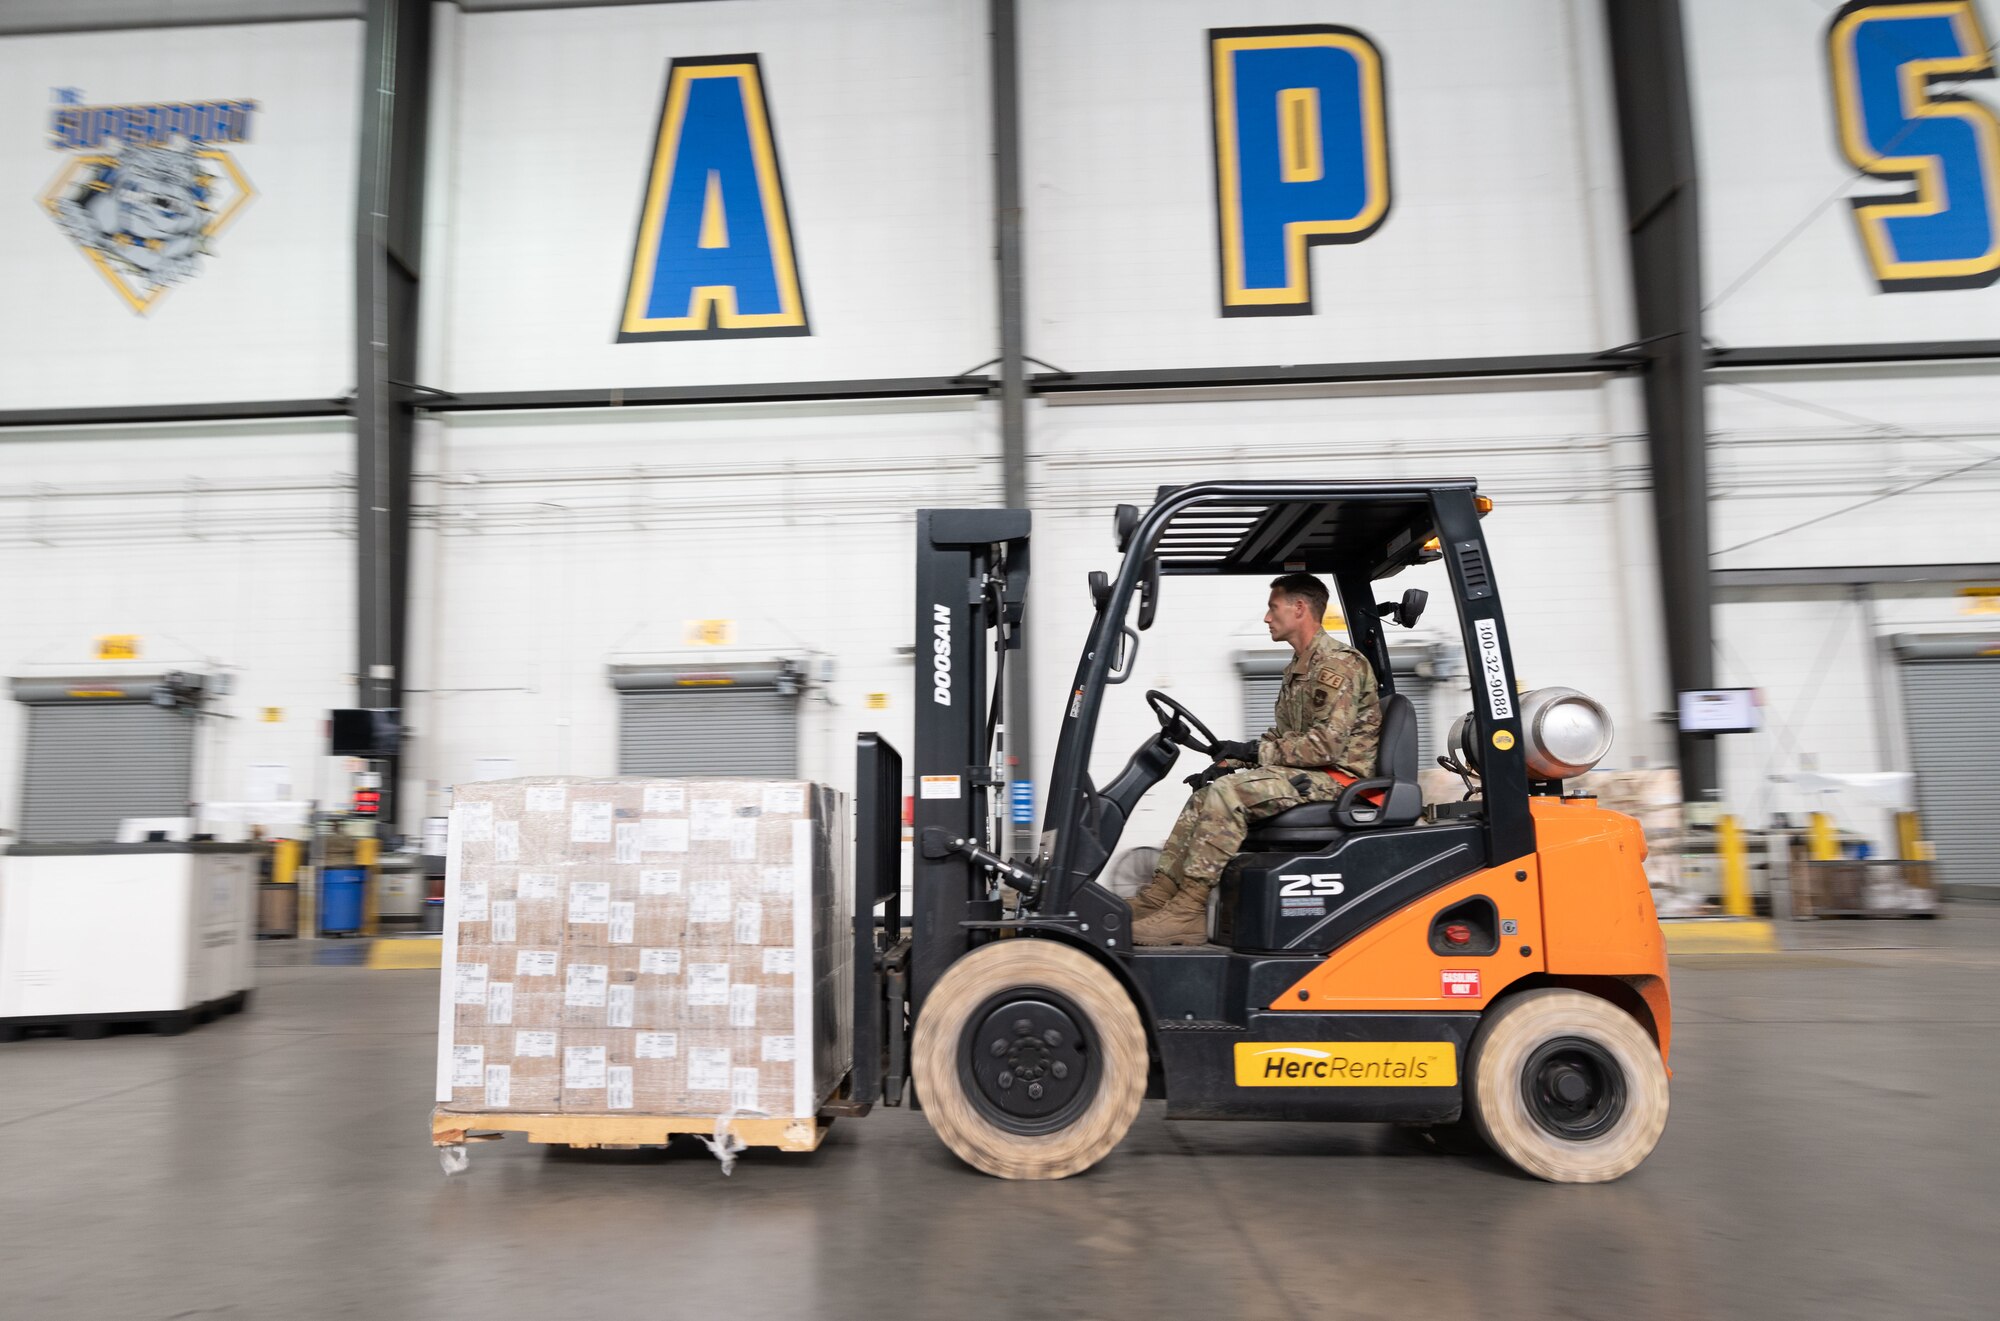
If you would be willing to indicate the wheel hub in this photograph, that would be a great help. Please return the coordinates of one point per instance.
(1029, 1062)
(1573, 1088)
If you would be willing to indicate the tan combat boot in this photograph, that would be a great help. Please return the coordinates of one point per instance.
(1182, 920)
(1153, 895)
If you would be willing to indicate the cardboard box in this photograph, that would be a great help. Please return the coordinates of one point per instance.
(657, 946)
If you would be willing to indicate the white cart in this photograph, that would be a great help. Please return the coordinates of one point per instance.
(96, 934)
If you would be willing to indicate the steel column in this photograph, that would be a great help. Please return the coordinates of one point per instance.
(1013, 367)
(1656, 142)
(388, 234)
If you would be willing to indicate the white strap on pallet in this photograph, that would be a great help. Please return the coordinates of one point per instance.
(725, 1146)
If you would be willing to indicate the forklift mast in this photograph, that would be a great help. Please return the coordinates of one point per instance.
(972, 585)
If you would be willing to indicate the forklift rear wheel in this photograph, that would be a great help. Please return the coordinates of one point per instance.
(1031, 1059)
(1567, 1086)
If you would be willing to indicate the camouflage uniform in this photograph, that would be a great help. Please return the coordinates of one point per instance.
(1329, 714)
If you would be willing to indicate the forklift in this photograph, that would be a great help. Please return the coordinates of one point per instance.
(1488, 967)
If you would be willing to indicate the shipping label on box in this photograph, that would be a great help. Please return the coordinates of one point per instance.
(469, 984)
(708, 1069)
(499, 1002)
(708, 984)
(585, 985)
(583, 1067)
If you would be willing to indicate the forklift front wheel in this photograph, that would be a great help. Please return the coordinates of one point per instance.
(1567, 1086)
(1031, 1059)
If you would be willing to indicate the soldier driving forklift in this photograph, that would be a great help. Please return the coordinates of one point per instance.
(1495, 960)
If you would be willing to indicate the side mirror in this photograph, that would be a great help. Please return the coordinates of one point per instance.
(1100, 587)
(1149, 592)
(1125, 521)
(1408, 610)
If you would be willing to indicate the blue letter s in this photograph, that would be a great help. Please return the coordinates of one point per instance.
(1944, 232)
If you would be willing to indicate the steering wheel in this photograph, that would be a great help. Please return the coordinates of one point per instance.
(1172, 714)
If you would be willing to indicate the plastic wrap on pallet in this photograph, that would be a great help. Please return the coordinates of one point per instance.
(672, 947)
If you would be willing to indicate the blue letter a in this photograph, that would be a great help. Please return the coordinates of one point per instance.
(714, 257)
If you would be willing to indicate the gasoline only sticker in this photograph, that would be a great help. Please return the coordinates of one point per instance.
(1460, 984)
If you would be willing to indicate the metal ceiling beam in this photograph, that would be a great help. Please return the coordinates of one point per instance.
(388, 235)
(1857, 575)
(661, 396)
(1839, 355)
(1004, 73)
(49, 419)
(1656, 147)
(1335, 373)
(22, 18)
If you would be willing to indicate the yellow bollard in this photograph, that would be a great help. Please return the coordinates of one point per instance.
(1735, 867)
(285, 861)
(367, 851)
(1910, 842)
(1822, 843)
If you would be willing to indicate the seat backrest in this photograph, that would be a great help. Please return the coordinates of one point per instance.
(1398, 748)
(1396, 761)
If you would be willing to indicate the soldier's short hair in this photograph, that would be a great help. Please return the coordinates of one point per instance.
(1306, 586)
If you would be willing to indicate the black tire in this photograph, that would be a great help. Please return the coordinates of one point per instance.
(1567, 1086)
(89, 1029)
(1030, 1059)
(11, 1032)
(172, 1025)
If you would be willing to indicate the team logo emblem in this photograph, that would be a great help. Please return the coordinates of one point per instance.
(145, 190)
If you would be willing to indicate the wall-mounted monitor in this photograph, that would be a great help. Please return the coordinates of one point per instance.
(1720, 711)
(366, 732)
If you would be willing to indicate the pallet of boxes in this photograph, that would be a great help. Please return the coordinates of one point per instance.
(628, 959)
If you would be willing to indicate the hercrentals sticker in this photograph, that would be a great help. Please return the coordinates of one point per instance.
(1346, 1064)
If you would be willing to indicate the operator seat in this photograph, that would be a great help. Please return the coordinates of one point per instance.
(1396, 777)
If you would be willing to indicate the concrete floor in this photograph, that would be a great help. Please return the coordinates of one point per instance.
(1829, 1155)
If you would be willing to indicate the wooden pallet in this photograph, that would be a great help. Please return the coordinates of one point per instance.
(455, 1128)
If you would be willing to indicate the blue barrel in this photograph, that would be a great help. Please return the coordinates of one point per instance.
(340, 900)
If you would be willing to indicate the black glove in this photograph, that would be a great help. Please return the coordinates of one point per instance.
(1236, 750)
(1203, 778)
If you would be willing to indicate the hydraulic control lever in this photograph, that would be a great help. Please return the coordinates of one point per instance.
(939, 844)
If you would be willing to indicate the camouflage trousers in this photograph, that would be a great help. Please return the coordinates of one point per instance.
(1219, 814)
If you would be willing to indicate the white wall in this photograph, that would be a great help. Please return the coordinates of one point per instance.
(1502, 234)
(1890, 465)
(1855, 467)
(219, 547)
(879, 110)
(1782, 259)
(270, 314)
(552, 547)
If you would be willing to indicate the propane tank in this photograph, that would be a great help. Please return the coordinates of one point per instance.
(1563, 734)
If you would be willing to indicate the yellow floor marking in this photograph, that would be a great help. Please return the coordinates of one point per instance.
(419, 953)
(1721, 936)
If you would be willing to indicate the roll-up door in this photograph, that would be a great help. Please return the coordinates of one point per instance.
(688, 722)
(1951, 705)
(97, 752)
(1263, 674)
